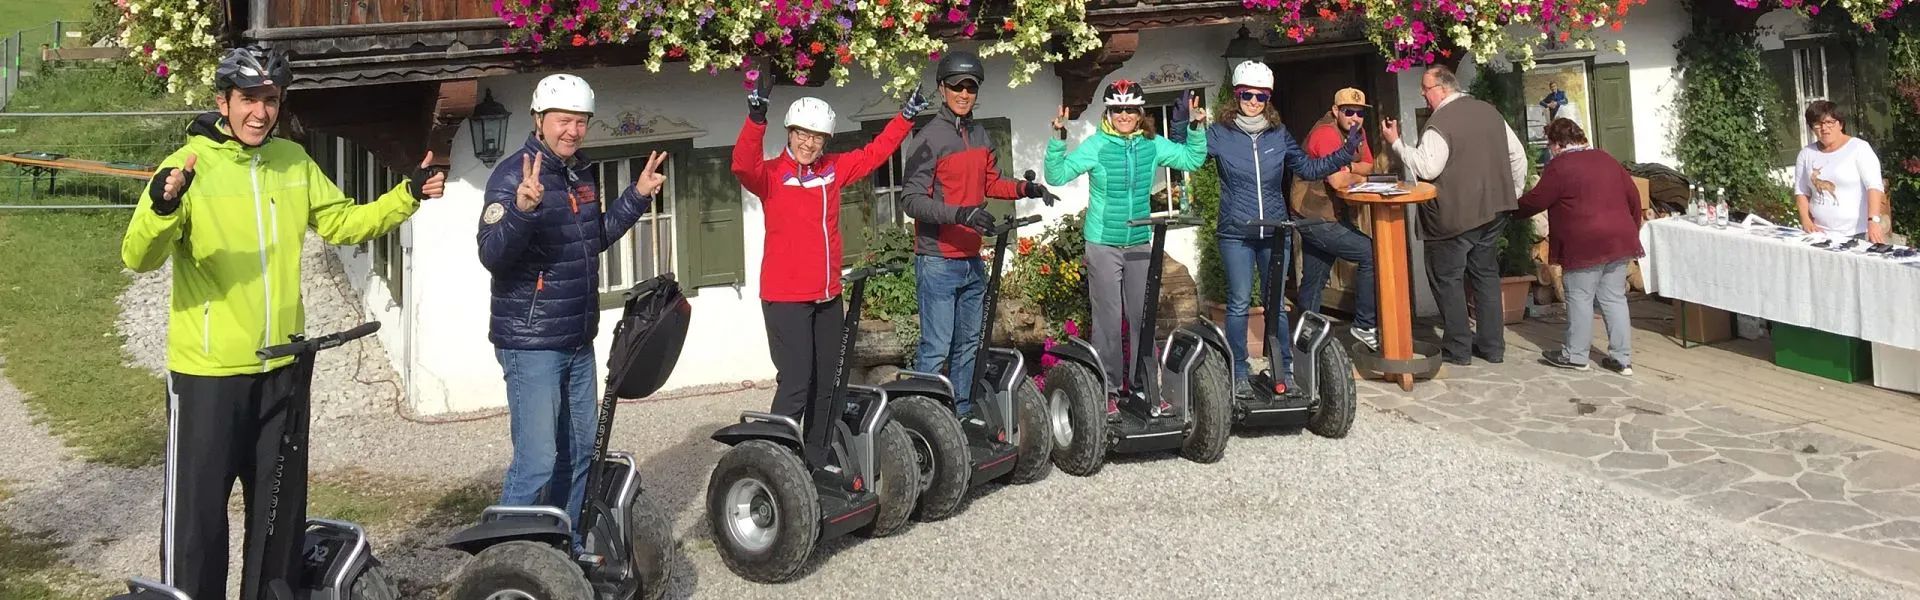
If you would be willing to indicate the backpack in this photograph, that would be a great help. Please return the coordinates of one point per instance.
(648, 337)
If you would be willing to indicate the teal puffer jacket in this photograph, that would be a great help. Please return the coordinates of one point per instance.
(1122, 168)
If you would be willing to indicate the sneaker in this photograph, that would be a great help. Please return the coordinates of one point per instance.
(1610, 364)
(1242, 389)
(1557, 358)
(1370, 337)
(1165, 408)
(1113, 404)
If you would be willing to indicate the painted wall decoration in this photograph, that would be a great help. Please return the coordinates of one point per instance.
(1556, 90)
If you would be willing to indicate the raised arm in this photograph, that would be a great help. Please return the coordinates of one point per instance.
(161, 216)
(339, 221)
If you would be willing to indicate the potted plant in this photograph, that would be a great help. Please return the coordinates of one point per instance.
(1516, 269)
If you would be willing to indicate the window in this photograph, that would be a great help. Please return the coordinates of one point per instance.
(1803, 71)
(648, 249)
(889, 191)
(362, 178)
(1159, 111)
(1809, 83)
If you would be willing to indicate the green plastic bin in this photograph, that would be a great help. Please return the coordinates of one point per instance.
(1816, 352)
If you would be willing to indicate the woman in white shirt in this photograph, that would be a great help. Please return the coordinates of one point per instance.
(1836, 180)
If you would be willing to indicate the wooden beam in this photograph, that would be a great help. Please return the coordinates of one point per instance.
(452, 105)
(1080, 78)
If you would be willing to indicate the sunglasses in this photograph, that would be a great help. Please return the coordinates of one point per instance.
(967, 87)
(1352, 112)
(1255, 96)
(1126, 110)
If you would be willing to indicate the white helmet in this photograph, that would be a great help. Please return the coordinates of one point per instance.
(811, 114)
(1254, 75)
(563, 92)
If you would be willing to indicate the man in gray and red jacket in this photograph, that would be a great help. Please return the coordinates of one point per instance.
(950, 172)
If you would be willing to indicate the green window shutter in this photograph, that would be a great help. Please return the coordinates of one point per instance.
(713, 249)
(1786, 132)
(1613, 110)
(1873, 93)
(856, 199)
(1000, 129)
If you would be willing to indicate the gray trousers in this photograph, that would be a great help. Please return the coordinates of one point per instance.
(1117, 282)
(1606, 286)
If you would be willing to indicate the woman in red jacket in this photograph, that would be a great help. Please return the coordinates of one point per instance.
(799, 192)
(1593, 216)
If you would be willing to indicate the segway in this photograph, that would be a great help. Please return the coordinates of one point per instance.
(1007, 437)
(527, 552)
(1323, 398)
(143, 589)
(1191, 377)
(786, 484)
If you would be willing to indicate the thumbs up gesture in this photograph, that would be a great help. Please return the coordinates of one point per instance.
(178, 180)
(428, 181)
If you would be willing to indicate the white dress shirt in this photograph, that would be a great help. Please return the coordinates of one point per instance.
(1430, 157)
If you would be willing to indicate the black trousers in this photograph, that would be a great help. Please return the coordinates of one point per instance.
(1470, 260)
(804, 339)
(220, 429)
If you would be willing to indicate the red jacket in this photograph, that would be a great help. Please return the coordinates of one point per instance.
(800, 261)
(1593, 210)
(950, 166)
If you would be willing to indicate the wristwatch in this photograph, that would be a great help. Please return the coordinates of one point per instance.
(1876, 219)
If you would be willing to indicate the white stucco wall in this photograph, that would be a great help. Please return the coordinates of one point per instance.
(452, 364)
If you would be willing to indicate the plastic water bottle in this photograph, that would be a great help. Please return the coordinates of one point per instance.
(1693, 203)
(1720, 208)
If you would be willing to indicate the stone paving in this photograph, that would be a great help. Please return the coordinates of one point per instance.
(1841, 500)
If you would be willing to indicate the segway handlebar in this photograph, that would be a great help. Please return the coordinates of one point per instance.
(332, 340)
(1283, 223)
(1176, 220)
(1012, 223)
(876, 271)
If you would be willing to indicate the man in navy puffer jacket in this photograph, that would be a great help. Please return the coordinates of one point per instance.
(541, 234)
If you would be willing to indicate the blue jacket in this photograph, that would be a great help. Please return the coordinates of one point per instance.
(546, 263)
(1253, 172)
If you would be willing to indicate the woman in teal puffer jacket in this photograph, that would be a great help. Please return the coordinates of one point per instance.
(1121, 159)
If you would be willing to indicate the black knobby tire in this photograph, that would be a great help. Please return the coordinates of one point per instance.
(790, 494)
(651, 542)
(1334, 404)
(897, 481)
(1075, 394)
(374, 583)
(535, 569)
(942, 462)
(1034, 435)
(1211, 410)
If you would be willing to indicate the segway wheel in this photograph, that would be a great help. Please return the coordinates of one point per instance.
(518, 570)
(1333, 408)
(1212, 410)
(650, 541)
(1034, 438)
(374, 583)
(941, 459)
(764, 511)
(1077, 414)
(897, 483)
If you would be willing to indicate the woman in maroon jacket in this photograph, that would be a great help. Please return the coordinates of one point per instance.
(1593, 216)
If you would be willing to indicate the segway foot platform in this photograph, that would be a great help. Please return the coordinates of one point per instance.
(1267, 409)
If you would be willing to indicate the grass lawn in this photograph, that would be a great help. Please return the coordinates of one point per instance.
(387, 503)
(59, 286)
(35, 16)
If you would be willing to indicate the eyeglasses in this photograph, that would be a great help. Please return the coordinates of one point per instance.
(1125, 110)
(1255, 96)
(966, 88)
(1352, 112)
(1825, 124)
(802, 136)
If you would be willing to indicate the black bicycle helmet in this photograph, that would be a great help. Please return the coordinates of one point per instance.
(252, 66)
(1124, 93)
(961, 64)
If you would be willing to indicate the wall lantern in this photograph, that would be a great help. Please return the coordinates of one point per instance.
(489, 129)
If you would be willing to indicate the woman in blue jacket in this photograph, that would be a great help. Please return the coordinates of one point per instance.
(1254, 154)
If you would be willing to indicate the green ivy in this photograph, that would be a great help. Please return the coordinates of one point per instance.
(1900, 150)
(1725, 117)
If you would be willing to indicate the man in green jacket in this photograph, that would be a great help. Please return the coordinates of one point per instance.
(232, 208)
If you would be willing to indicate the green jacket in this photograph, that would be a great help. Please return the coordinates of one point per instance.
(1122, 168)
(235, 241)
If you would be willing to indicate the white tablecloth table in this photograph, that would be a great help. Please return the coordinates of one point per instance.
(1862, 296)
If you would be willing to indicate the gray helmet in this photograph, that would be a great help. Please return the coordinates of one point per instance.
(961, 64)
(252, 66)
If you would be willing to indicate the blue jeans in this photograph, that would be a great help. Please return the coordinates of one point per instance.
(951, 292)
(1241, 259)
(1322, 244)
(551, 400)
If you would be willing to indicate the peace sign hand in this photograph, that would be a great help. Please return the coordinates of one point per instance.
(650, 180)
(528, 196)
(1060, 122)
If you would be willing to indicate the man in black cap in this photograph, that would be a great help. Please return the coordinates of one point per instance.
(950, 172)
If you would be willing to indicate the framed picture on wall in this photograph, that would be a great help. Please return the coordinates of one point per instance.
(1556, 90)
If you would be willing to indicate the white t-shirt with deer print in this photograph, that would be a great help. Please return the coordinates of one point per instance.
(1836, 183)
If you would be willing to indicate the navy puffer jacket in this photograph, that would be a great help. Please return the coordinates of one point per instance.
(1253, 170)
(546, 263)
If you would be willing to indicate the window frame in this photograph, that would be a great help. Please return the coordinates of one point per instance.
(676, 247)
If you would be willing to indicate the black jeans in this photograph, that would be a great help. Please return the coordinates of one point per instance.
(220, 429)
(1476, 256)
(804, 339)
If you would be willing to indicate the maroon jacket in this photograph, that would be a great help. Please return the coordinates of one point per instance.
(1593, 210)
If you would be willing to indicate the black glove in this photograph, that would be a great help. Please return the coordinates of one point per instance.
(915, 103)
(157, 189)
(757, 100)
(419, 179)
(1182, 112)
(1034, 190)
(976, 217)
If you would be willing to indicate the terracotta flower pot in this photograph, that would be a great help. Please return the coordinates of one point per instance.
(1513, 298)
(1256, 325)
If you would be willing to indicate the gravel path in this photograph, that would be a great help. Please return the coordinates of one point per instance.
(1395, 510)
